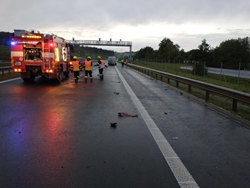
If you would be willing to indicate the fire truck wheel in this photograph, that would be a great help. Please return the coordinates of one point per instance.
(26, 79)
(66, 74)
(29, 79)
(60, 75)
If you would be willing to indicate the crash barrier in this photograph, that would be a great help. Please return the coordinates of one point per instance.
(5, 69)
(209, 88)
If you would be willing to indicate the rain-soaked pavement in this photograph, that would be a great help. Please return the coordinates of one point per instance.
(59, 135)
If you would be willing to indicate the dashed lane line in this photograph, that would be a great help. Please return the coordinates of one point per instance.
(183, 177)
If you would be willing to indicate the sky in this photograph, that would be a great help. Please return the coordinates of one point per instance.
(143, 22)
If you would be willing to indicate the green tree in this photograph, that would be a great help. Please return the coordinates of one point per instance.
(143, 53)
(204, 50)
(231, 53)
(167, 49)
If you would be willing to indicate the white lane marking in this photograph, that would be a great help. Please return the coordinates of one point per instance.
(183, 177)
(9, 80)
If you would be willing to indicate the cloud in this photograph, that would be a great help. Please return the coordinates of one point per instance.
(143, 22)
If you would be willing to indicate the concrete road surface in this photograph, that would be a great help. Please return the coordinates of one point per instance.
(229, 72)
(59, 135)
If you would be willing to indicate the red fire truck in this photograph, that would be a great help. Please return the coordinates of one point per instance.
(34, 54)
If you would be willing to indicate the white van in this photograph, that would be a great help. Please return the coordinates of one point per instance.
(112, 60)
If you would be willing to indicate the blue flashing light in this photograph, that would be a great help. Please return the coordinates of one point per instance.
(12, 43)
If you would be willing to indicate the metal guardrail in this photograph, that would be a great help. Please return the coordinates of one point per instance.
(209, 88)
(5, 69)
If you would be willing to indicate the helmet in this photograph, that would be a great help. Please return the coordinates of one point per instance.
(99, 57)
(88, 57)
(75, 57)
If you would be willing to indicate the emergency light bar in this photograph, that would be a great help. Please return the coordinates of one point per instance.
(24, 42)
(31, 36)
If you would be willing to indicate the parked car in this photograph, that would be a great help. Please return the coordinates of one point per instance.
(112, 60)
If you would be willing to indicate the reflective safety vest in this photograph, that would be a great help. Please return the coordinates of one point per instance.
(75, 65)
(87, 65)
(102, 64)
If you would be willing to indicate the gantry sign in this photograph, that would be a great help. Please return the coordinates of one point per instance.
(103, 43)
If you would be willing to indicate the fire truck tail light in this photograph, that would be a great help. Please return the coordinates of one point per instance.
(51, 44)
(49, 70)
(17, 70)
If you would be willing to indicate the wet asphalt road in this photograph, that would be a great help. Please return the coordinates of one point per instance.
(59, 135)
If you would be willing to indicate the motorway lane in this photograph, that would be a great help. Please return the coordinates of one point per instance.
(59, 135)
(213, 148)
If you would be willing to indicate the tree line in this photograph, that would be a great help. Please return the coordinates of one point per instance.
(230, 53)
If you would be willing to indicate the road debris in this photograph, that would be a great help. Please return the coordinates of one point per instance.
(175, 138)
(113, 124)
(166, 113)
(121, 114)
(116, 93)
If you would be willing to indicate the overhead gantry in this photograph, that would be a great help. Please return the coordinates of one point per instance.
(104, 43)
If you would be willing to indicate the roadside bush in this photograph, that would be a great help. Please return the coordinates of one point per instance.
(199, 69)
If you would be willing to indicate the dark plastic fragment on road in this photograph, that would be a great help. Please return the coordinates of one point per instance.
(181, 93)
(113, 124)
(20, 132)
(166, 113)
(116, 93)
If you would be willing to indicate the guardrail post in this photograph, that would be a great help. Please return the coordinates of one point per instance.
(2, 72)
(207, 95)
(239, 74)
(161, 78)
(234, 105)
(204, 71)
(177, 84)
(156, 76)
(189, 88)
(168, 80)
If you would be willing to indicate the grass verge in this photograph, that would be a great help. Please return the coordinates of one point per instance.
(174, 68)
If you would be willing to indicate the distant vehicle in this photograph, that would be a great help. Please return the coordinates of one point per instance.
(81, 60)
(112, 60)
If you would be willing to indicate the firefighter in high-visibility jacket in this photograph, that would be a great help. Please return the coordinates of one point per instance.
(88, 70)
(75, 66)
(101, 66)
